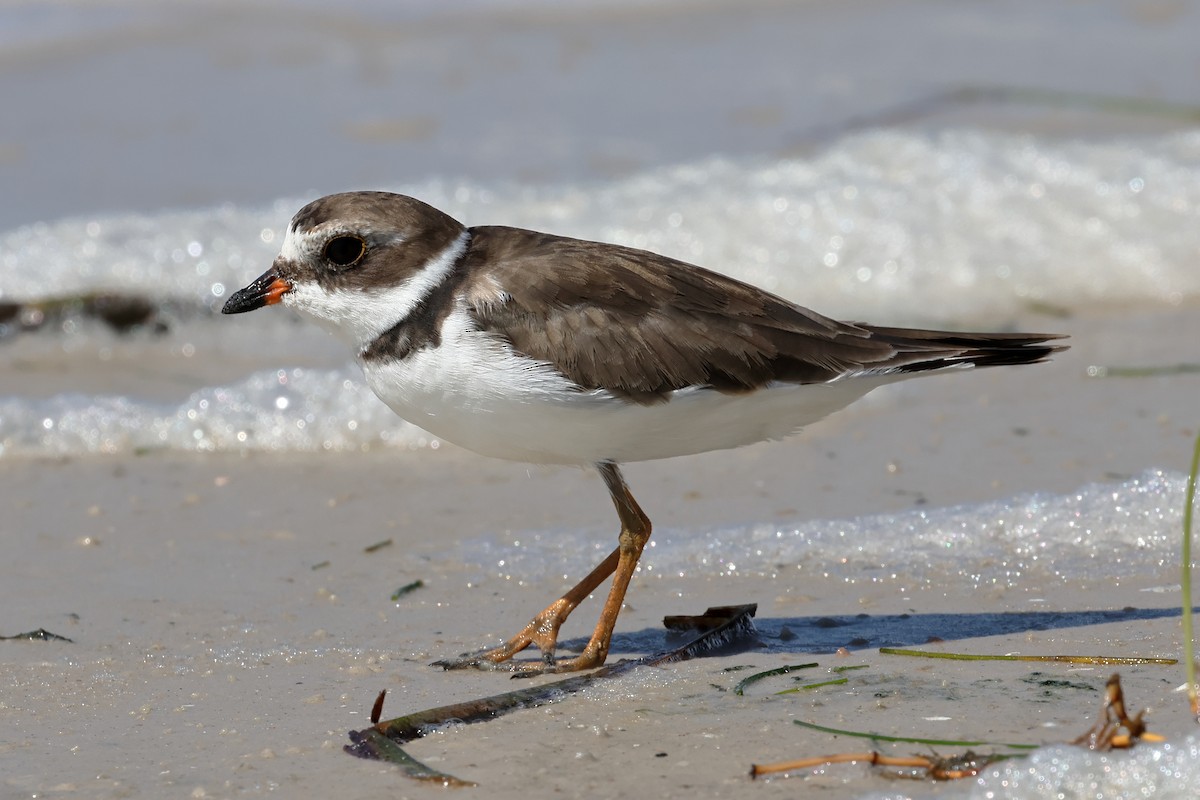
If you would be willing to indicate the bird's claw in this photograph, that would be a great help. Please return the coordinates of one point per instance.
(520, 669)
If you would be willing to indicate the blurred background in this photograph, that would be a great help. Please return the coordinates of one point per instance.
(146, 106)
(909, 161)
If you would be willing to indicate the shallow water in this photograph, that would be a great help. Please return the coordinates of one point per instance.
(964, 229)
(1102, 532)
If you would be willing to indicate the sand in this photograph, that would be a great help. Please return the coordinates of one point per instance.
(210, 658)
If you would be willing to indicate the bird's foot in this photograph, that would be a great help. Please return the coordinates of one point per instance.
(542, 632)
(548, 665)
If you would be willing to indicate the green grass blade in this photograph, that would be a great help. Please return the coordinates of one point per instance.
(879, 737)
(758, 676)
(809, 686)
(1123, 661)
(1189, 654)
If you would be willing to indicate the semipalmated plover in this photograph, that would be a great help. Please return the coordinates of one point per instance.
(539, 348)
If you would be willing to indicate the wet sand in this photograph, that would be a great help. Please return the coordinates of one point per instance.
(210, 658)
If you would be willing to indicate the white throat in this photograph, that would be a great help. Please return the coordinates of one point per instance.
(359, 316)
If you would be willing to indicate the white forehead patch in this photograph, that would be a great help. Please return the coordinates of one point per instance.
(359, 316)
(291, 250)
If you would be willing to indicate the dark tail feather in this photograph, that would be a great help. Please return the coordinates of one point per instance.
(928, 350)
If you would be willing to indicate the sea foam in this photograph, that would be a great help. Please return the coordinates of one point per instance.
(960, 228)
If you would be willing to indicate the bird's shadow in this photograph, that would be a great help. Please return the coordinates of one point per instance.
(862, 631)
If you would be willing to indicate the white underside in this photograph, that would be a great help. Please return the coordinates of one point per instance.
(474, 391)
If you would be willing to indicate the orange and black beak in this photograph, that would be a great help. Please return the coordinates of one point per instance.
(267, 290)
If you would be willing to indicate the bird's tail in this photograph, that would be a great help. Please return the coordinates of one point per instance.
(921, 350)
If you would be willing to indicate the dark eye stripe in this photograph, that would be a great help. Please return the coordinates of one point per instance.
(345, 251)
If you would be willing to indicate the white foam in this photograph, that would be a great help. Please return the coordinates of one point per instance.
(277, 410)
(1108, 531)
(891, 225)
(1169, 771)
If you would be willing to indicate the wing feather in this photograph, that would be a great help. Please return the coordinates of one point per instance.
(641, 325)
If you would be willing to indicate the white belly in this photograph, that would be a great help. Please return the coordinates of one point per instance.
(475, 392)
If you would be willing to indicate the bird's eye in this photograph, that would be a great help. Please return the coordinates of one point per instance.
(345, 251)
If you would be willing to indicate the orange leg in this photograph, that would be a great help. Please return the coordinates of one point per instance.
(542, 630)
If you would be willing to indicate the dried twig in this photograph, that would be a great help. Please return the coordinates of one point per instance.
(1114, 729)
(383, 739)
(968, 765)
(1105, 734)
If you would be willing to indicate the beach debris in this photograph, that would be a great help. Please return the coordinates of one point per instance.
(377, 709)
(758, 676)
(120, 312)
(407, 589)
(383, 739)
(967, 765)
(1106, 733)
(1114, 729)
(371, 548)
(1098, 660)
(40, 635)
(381, 748)
(808, 687)
(713, 617)
(880, 737)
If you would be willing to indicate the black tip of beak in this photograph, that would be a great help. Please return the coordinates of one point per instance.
(243, 301)
(267, 290)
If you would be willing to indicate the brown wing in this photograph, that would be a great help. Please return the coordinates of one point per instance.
(641, 325)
